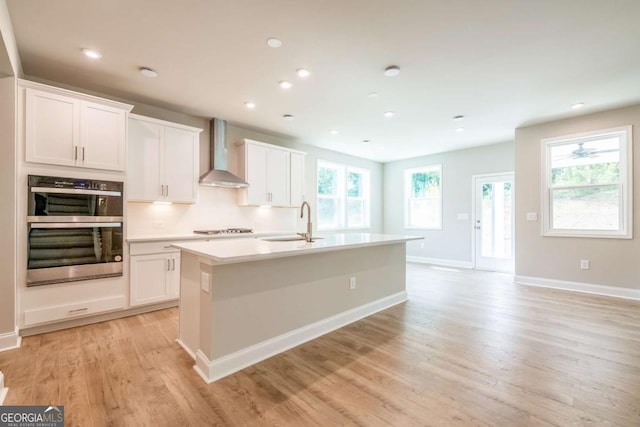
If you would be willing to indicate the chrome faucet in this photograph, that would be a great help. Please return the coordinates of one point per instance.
(307, 235)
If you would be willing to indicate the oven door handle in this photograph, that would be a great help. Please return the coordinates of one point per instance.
(75, 191)
(75, 224)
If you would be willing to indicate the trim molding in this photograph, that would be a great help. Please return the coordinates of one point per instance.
(99, 317)
(212, 370)
(440, 261)
(185, 348)
(589, 288)
(3, 390)
(10, 341)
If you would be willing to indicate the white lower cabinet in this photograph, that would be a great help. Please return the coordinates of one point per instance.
(155, 276)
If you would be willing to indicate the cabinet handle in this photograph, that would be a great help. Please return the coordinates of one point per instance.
(162, 190)
(75, 152)
(173, 264)
(78, 310)
(168, 264)
(167, 190)
(83, 154)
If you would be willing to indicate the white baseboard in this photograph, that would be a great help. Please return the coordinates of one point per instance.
(589, 288)
(3, 390)
(10, 341)
(185, 348)
(440, 261)
(212, 370)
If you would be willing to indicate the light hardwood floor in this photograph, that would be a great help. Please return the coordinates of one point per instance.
(469, 348)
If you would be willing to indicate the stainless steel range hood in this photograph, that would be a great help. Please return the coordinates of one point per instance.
(219, 176)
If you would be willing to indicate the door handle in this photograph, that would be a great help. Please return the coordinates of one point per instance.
(477, 227)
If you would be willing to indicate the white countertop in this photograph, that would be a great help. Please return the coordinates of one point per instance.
(192, 236)
(253, 249)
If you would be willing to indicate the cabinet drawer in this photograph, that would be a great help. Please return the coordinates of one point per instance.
(70, 311)
(146, 248)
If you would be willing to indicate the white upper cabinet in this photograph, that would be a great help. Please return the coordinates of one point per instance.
(103, 133)
(163, 161)
(73, 129)
(268, 170)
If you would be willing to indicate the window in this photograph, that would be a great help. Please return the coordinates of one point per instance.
(587, 184)
(423, 195)
(343, 196)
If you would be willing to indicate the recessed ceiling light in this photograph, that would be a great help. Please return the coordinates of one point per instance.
(288, 117)
(373, 95)
(366, 141)
(303, 73)
(333, 132)
(250, 105)
(459, 130)
(273, 42)
(285, 84)
(577, 105)
(392, 71)
(148, 72)
(93, 54)
(389, 113)
(458, 119)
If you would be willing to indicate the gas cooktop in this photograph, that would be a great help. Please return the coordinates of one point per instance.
(225, 231)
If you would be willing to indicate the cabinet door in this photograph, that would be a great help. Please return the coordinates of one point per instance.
(256, 174)
(174, 276)
(180, 165)
(52, 128)
(297, 179)
(102, 137)
(278, 177)
(150, 278)
(143, 169)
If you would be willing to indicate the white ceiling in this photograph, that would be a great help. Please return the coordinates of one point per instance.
(500, 63)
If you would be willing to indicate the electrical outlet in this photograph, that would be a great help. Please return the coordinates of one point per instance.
(157, 225)
(532, 216)
(204, 281)
(352, 283)
(584, 264)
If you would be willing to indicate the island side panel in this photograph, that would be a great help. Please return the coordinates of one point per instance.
(252, 302)
(189, 321)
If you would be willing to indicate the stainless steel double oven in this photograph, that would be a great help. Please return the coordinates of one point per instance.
(75, 229)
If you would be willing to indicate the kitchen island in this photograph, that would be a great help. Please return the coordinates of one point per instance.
(244, 300)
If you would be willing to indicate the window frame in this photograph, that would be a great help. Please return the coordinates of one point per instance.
(625, 231)
(407, 196)
(343, 198)
(365, 198)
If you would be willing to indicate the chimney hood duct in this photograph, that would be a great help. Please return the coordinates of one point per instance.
(218, 176)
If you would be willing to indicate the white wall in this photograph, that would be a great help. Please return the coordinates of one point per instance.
(452, 244)
(10, 64)
(614, 262)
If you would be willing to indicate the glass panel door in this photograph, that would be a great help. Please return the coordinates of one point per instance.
(493, 222)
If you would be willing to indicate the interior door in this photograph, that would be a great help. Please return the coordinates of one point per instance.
(493, 222)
